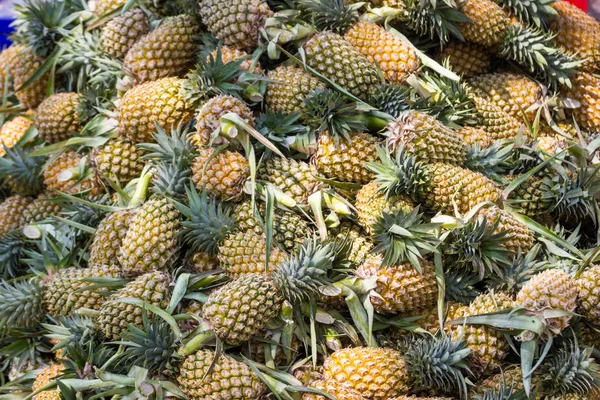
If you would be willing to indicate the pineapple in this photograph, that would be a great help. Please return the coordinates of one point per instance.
(497, 123)
(222, 175)
(6, 59)
(43, 378)
(511, 377)
(12, 212)
(111, 231)
(511, 92)
(12, 131)
(237, 23)
(400, 288)
(551, 289)
(295, 178)
(24, 65)
(466, 59)
(118, 160)
(588, 286)
(57, 117)
(65, 292)
(203, 262)
(150, 242)
(475, 136)
(586, 90)
(122, 32)
(41, 208)
(166, 51)
(209, 115)
(231, 54)
(333, 388)
(65, 166)
(530, 197)
(345, 160)
(520, 237)
(114, 316)
(290, 87)
(206, 375)
(104, 7)
(159, 102)
(577, 33)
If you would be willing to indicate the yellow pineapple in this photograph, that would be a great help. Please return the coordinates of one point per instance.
(466, 59)
(43, 378)
(12, 131)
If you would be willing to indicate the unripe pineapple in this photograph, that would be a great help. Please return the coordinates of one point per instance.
(65, 292)
(588, 286)
(345, 160)
(335, 58)
(466, 59)
(11, 213)
(553, 289)
(114, 316)
(158, 102)
(111, 231)
(12, 131)
(231, 54)
(400, 288)
(210, 113)
(40, 209)
(333, 388)
(475, 136)
(396, 59)
(291, 86)
(237, 23)
(121, 33)
(244, 252)
(150, 243)
(166, 51)
(296, 179)
(56, 174)
(57, 117)
(24, 65)
(118, 160)
(203, 377)
(43, 378)
(222, 175)
(520, 237)
(371, 203)
(6, 59)
(586, 90)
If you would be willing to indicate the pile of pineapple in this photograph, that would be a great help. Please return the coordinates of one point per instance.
(300, 199)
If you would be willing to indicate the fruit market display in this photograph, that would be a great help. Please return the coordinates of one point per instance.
(300, 200)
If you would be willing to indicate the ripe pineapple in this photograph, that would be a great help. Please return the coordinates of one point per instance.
(222, 175)
(6, 58)
(159, 102)
(122, 32)
(11, 213)
(43, 378)
(513, 93)
(520, 237)
(372, 202)
(40, 209)
(475, 135)
(586, 90)
(530, 198)
(12, 131)
(400, 288)
(512, 377)
(466, 59)
(24, 65)
(106, 6)
(65, 292)
(204, 376)
(203, 262)
(237, 23)
(150, 243)
(291, 86)
(588, 286)
(333, 388)
(553, 289)
(166, 51)
(295, 178)
(345, 160)
(118, 160)
(577, 33)
(57, 117)
(231, 54)
(114, 316)
(210, 113)
(497, 123)
(57, 170)
(111, 231)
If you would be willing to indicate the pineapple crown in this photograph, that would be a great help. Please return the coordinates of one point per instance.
(331, 15)
(73, 329)
(434, 18)
(11, 252)
(208, 221)
(404, 237)
(438, 363)
(477, 247)
(300, 277)
(535, 12)
(329, 111)
(501, 392)
(23, 173)
(390, 99)
(493, 161)
(515, 274)
(533, 48)
(22, 304)
(571, 370)
(280, 129)
(460, 286)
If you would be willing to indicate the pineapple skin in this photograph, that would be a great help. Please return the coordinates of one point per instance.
(371, 204)
(12, 131)
(291, 86)
(512, 377)
(228, 379)
(118, 160)
(336, 59)
(166, 51)
(40, 209)
(64, 293)
(231, 54)
(158, 102)
(588, 286)
(242, 308)
(209, 115)
(333, 388)
(488, 22)
(106, 6)
(202, 262)
(150, 242)
(114, 316)
(11, 213)
(586, 90)
(295, 178)
(24, 65)
(57, 119)
(223, 175)
(345, 161)
(520, 237)
(475, 136)
(65, 161)
(111, 231)
(396, 59)
(47, 375)
(497, 123)
(466, 59)
(7, 57)
(121, 33)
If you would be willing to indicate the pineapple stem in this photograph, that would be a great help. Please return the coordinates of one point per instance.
(197, 342)
(141, 189)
